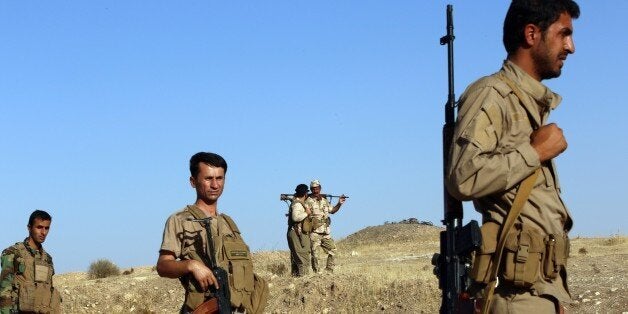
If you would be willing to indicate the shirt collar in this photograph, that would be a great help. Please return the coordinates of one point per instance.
(541, 94)
(33, 251)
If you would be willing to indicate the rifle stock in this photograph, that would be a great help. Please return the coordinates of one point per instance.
(456, 242)
(208, 307)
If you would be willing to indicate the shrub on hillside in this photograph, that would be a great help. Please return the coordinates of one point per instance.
(278, 268)
(102, 268)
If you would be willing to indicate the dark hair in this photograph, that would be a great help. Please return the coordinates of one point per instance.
(541, 13)
(42, 215)
(301, 190)
(211, 159)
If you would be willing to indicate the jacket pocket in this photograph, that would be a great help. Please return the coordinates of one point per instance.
(26, 297)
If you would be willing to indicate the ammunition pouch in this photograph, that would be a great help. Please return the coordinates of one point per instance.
(33, 283)
(527, 255)
(238, 260)
(38, 298)
(317, 222)
(259, 297)
(307, 225)
(524, 250)
(248, 291)
(483, 259)
(556, 252)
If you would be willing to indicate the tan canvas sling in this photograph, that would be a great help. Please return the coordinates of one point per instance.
(525, 188)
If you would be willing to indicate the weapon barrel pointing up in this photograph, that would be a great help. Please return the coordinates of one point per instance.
(452, 206)
(450, 271)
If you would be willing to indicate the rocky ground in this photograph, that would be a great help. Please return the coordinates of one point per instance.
(383, 269)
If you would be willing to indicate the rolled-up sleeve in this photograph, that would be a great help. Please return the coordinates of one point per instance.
(170, 241)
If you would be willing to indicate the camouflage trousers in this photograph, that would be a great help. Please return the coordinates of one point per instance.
(299, 253)
(326, 243)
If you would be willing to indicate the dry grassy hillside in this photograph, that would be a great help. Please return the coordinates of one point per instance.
(380, 269)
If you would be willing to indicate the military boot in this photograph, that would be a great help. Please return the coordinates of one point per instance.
(330, 264)
(315, 266)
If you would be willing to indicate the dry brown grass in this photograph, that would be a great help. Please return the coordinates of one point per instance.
(614, 240)
(381, 269)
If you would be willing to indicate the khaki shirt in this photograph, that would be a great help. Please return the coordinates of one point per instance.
(183, 237)
(320, 211)
(491, 154)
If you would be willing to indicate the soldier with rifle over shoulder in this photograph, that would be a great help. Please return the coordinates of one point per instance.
(299, 227)
(317, 221)
(502, 158)
(321, 231)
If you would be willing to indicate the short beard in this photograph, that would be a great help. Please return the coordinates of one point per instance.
(544, 63)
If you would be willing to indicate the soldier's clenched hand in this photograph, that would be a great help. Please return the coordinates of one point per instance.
(548, 141)
(203, 275)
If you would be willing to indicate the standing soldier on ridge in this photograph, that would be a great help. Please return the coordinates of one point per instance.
(27, 270)
(321, 232)
(502, 139)
(298, 233)
(185, 247)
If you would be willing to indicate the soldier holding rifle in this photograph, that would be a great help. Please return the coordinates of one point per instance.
(321, 231)
(186, 249)
(502, 159)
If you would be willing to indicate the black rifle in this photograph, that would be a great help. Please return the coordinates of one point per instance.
(222, 277)
(457, 241)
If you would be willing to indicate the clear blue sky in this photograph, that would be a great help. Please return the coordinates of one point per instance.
(103, 102)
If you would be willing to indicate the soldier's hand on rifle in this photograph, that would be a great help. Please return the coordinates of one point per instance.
(203, 275)
(342, 199)
(548, 141)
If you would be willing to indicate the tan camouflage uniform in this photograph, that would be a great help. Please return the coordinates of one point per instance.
(491, 154)
(321, 235)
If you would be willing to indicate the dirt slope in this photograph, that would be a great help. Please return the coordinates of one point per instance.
(380, 269)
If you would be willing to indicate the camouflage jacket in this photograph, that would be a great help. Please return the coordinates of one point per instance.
(9, 260)
(321, 210)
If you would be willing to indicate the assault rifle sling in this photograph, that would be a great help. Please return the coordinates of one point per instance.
(222, 297)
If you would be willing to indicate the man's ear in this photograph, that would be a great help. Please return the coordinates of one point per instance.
(192, 182)
(531, 34)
